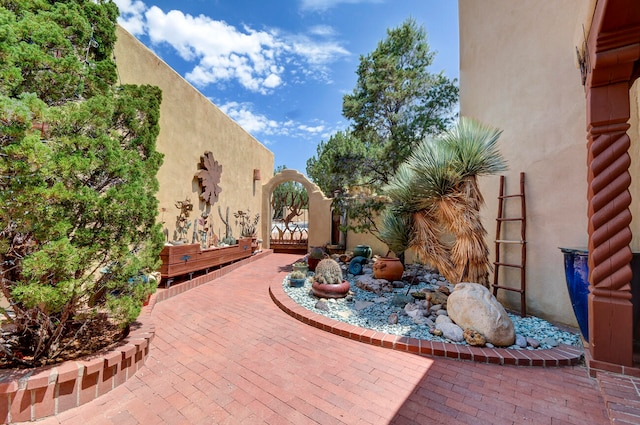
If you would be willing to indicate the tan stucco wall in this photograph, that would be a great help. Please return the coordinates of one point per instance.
(190, 125)
(518, 73)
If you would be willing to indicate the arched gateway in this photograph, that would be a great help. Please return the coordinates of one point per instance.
(319, 214)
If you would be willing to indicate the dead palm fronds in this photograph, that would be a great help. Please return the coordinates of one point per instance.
(437, 187)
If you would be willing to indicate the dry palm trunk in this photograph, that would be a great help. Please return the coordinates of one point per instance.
(430, 249)
(459, 213)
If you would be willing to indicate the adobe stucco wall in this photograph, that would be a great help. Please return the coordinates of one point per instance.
(518, 72)
(190, 125)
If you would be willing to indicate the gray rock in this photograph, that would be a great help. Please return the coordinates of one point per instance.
(534, 343)
(442, 312)
(322, 305)
(443, 319)
(489, 345)
(435, 307)
(345, 314)
(401, 300)
(451, 331)
(393, 319)
(551, 342)
(413, 310)
(361, 305)
(397, 284)
(422, 321)
(521, 341)
(380, 300)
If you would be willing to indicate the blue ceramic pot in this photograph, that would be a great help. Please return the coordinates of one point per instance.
(576, 269)
(362, 251)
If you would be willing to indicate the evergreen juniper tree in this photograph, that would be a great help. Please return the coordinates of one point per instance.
(78, 165)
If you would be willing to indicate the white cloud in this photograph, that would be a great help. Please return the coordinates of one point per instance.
(322, 30)
(259, 60)
(322, 5)
(255, 124)
(131, 15)
(318, 129)
(263, 128)
(221, 51)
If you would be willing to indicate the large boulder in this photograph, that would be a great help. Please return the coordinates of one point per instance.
(472, 306)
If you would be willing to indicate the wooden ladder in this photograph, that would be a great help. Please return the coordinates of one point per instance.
(522, 219)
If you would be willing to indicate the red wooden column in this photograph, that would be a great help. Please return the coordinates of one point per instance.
(610, 308)
(613, 48)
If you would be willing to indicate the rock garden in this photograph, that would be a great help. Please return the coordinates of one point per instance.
(424, 305)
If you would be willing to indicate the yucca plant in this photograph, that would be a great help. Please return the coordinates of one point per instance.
(437, 188)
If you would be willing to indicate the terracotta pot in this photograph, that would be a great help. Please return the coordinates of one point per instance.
(326, 290)
(313, 262)
(388, 268)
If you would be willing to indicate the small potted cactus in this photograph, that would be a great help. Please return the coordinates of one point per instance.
(301, 266)
(327, 282)
(297, 278)
(315, 256)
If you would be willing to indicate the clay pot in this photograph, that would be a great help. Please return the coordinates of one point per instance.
(313, 262)
(388, 268)
(327, 290)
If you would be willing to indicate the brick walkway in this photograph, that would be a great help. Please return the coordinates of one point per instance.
(224, 353)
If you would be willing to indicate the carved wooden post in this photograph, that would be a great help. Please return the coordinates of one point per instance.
(610, 308)
(613, 52)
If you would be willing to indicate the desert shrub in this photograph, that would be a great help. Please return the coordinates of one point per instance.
(78, 166)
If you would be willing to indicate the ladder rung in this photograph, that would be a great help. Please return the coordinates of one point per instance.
(510, 219)
(511, 196)
(505, 241)
(509, 265)
(507, 288)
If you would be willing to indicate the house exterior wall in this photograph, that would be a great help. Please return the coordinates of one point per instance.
(519, 73)
(190, 125)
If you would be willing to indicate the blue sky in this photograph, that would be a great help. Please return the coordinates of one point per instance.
(280, 68)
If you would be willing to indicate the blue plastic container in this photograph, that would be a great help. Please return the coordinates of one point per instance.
(576, 269)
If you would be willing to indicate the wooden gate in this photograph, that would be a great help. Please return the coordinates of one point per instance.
(289, 221)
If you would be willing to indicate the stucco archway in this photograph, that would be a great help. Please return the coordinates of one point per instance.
(319, 207)
(613, 48)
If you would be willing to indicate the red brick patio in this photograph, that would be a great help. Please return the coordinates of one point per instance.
(225, 353)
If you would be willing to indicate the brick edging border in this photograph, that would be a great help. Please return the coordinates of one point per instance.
(563, 355)
(32, 394)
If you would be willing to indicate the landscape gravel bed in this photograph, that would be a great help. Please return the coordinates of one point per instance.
(376, 315)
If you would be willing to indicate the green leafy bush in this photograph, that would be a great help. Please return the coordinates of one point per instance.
(78, 166)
